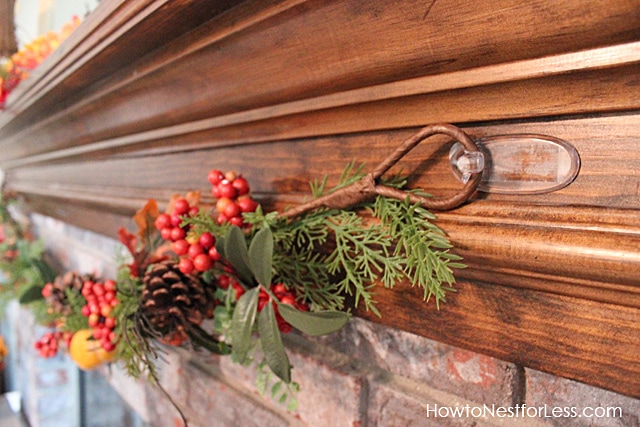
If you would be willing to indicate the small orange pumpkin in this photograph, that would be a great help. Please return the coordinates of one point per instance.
(86, 352)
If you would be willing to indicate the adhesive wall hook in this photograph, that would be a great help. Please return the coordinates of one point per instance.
(519, 163)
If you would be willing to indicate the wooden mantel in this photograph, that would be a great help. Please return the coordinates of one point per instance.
(148, 95)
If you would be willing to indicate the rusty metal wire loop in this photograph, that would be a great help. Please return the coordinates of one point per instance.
(369, 186)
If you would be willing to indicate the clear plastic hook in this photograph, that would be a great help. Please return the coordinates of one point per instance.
(464, 163)
(518, 163)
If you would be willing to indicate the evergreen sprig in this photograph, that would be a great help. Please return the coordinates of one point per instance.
(75, 321)
(421, 246)
(399, 242)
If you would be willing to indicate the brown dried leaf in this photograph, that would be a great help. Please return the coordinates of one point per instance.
(145, 218)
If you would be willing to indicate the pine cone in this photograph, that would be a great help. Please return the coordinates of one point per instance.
(58, 300)
(171, 299)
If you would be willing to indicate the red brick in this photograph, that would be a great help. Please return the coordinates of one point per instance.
(214, 403)
(396, 405)
(333, 389)
(552, 391)
(473, 376)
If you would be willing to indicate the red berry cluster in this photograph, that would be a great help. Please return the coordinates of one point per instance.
(284, 297)
(169, 223)
(49, 344)
(195, 255)
(224, 281)
(101, 300)
(232, 194)
(198, 256)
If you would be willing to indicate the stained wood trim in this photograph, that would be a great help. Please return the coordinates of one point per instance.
(91, 93)
(440, 85)
(587, 341)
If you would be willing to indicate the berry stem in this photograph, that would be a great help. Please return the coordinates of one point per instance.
(203, 339)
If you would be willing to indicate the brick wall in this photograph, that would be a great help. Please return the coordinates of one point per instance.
(364, 375)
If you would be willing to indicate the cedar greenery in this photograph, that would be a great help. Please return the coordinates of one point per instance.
(397, 242)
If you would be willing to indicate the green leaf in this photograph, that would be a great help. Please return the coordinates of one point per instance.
(292, 405)
(235, 250)
(314, 324)
(272, 346)
(275, 389)
(261, 256)
(33, 293)
(220, 246)
(46, 271)
(244, 317)
(456, 265)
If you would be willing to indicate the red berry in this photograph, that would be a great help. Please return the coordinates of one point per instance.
(202, 262)
(109, 296)
(214, 255)
(109, 285)
(279, 290)
(226, 189)
(288, 299)
(215, 176)
(110, 322)
(106, 310)
(193, 211)
(107, 345)
(166, 233)
(98, 333)
(181, 247)
(94, 319)
(207, 240)
(47, 290)
(236, 220)
(282, 324)
(222, 203)
(176, 220)
(247, 204)
(238, 288)
(224, 281)
(94, 308)
(215, 192)
(98, 289)
(181, 207)
(232, 210)
(186, 266)
(178, 234)
(195, 250)
(241, 185)
(302, 306)
(162, 221)
(222, 219)
(86, 311)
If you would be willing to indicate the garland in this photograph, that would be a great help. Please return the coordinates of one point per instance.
(15, 69)
(230, 279)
